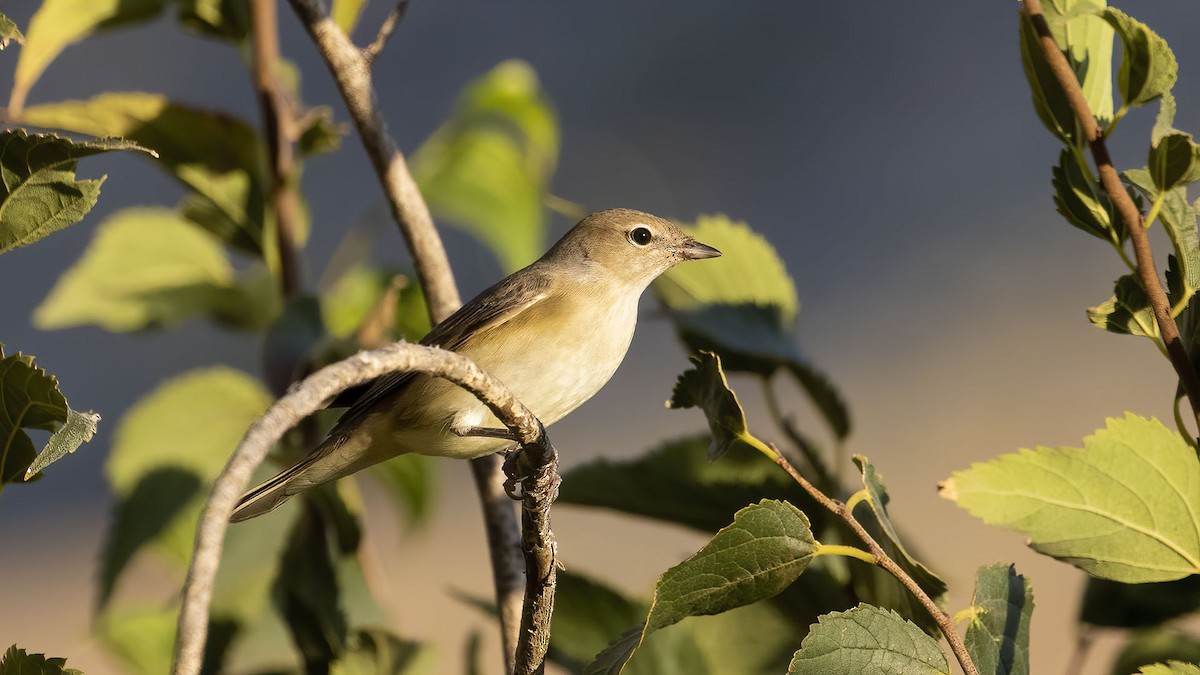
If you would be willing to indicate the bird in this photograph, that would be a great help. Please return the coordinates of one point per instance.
(553, 332)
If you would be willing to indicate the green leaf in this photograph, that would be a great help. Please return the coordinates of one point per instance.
(320, 134)
(17, 662)
(1117, 605)
(1128, 312)
(1147, 647)
(704, 386)
(1049, 101)
(167, 448)
(998, 632)
(867, 639)
(1171, 668)
(216, 155)
(766, 548)
(1174, 161)
(743, 307)
(1178, 219)
(39, 194)
(141, 638)
(1083, 202)
(307, 594)
(873, 515)
(9, 32)
(587, 616)
(1123, 507)
(1079, 28)
(677, 484)
(145, 268)
(346, 13)
(1148, 68)
(60, 23)
(77, 430)
(488, 169)
(411, 481)
(1164, 122)
(29, 399)
(374, 652)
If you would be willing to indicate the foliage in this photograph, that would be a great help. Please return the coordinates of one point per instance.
(784, 581)
(18, 662)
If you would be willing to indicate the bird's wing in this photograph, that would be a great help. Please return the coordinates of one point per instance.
(493, 307)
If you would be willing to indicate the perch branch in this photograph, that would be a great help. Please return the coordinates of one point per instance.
(536, 465)
(279, 126)
(837, 508)
(303, 399)
(351, 69)
(1147, 271)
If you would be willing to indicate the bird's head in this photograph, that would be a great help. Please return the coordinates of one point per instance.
(633, 245)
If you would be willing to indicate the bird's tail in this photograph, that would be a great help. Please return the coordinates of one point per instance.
(273, 493)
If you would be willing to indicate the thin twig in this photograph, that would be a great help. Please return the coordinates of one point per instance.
(943, 620)
(1147, 271)
(389, 24)
(351, 70)
(279, 126)
(303, 399)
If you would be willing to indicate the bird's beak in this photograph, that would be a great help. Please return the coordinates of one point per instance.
(694, 250)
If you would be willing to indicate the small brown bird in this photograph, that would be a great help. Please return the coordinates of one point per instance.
(553, 332)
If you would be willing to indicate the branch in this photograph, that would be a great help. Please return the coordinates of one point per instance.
(1147, 271)
(392, 20)
(537, 463)
(351, 69)
(279, 125)
(303, 399)
(837, 508)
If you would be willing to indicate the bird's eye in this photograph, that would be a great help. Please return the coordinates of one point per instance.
(640, 236)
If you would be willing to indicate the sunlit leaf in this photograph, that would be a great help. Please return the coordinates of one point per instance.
(766, 548)
(488, 168)
(77, 430)
(60, 23)
(146, 267)
(1148, 68)
(1171, 668)
(346, 13)
(9, 32)
(39, 194)
(867, 639)
(1179, 220)
(1128, 312)
(998, 628)
(1174, 161)
(1123, 507)
(1079, 28)
(29, 399)
(1083, 202)
(214, 154)
(166, 450)
(221, 19)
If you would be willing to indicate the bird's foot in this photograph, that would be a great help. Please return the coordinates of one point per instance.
(514, 481)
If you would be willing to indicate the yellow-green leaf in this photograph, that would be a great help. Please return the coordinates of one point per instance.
(145, 267)
(1123, 507)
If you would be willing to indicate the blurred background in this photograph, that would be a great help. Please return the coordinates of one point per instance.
(888, 150)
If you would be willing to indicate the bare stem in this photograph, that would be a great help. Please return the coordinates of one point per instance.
(537, 466)
(303, 399)
(1147, 271)
(943, 620)
(386, 29)
(279, 126)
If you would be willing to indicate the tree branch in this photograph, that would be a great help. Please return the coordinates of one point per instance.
(352, 72)
(1147, 271)
(279, 126)
(537, 465)
(837, 508)
(303, 399)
